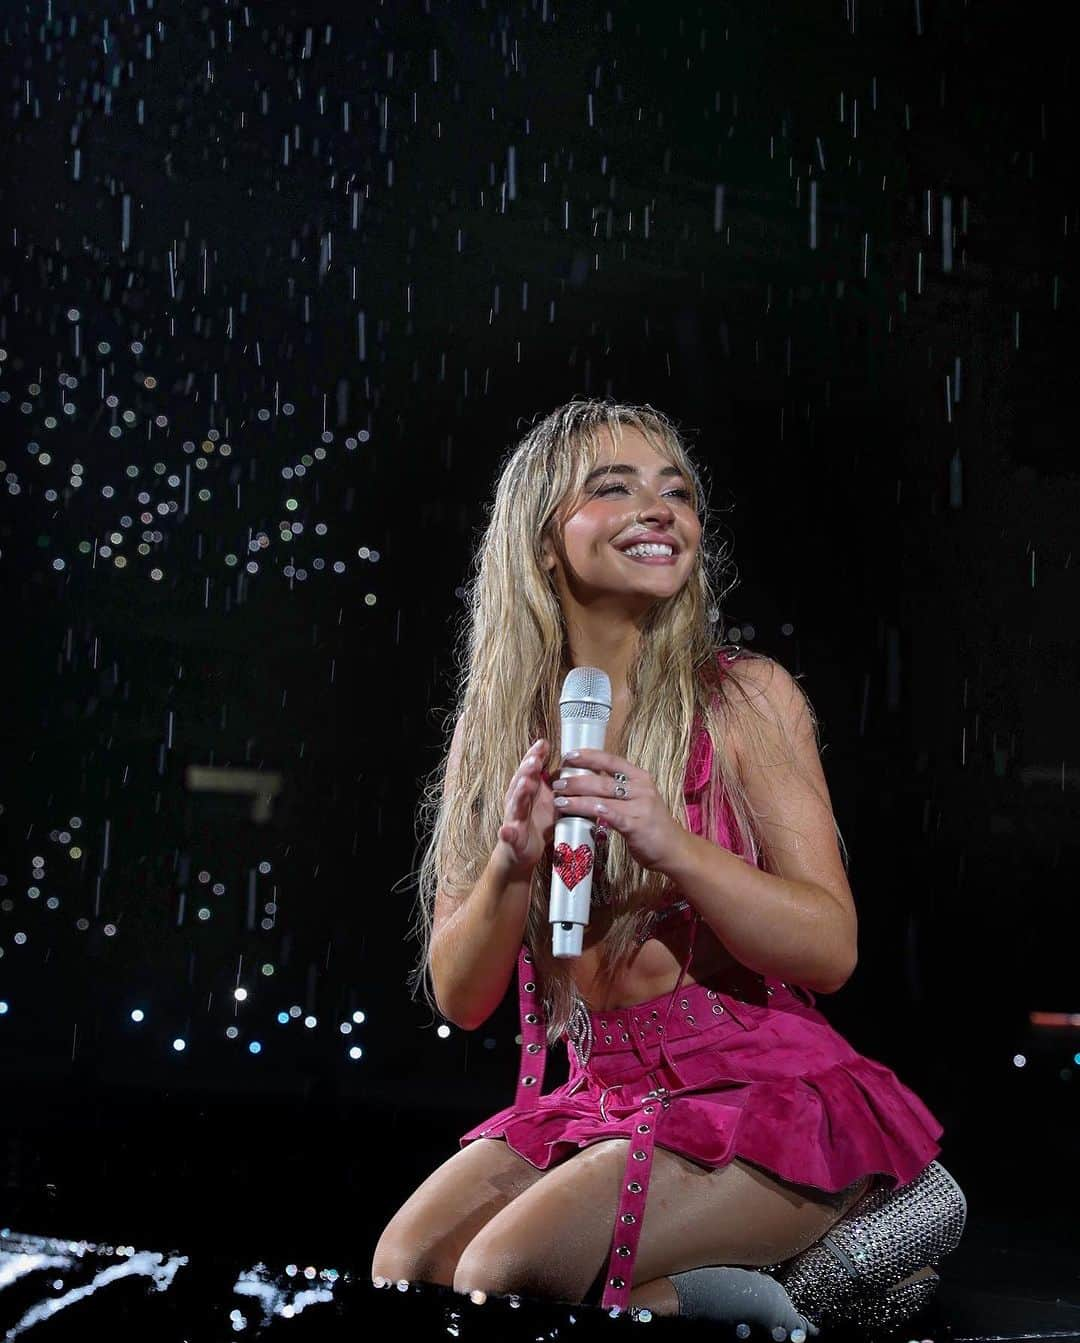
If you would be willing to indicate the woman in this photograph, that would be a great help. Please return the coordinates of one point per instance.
(713, 1125)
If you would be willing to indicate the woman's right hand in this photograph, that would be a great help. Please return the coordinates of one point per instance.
(529, 815)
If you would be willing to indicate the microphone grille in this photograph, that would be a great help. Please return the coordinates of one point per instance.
(586, 693)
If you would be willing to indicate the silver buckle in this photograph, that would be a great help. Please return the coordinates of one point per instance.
(661, 1094)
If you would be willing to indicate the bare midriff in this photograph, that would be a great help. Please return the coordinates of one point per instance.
(654, 967)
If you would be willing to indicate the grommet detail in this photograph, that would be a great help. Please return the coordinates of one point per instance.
(616, 1282)
(531, 1018)
(528, 1081)
(603, 1025)
(623, 1251)
(607, 1039)
(659, 1029)
(530, 987)
(624, 1037)
(533, 1049)
(640, 1156)
(649, 1109)
(690, 1019)
(634, 1187)
(618, 1025)
(643, 1128)
(769, 991)
(629, 1218)
(654, 1014)
(717, 1009)
(527, 958)
(684, 1004)
(711, 993)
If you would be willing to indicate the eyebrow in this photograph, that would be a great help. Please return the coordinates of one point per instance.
(623, 468)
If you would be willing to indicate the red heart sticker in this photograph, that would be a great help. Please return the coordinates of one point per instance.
(572, 864)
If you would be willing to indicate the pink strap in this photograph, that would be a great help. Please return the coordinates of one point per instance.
(533, 1035)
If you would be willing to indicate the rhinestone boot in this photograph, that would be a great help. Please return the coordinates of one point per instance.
(858, 1273)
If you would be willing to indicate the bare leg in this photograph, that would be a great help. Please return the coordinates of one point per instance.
(553, 1240)
(659, 1296)
(425, 1237)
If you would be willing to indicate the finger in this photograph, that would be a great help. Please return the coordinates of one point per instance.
(587, 758)
(587, 806)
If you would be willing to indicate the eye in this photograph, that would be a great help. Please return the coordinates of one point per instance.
(608, 489)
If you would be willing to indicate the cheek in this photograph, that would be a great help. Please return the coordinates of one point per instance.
(584, 533)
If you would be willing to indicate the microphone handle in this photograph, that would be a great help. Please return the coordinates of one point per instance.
(568, 907)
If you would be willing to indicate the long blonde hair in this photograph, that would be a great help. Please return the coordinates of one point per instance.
(512, 658)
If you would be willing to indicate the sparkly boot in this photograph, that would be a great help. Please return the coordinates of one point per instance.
(865, 1271)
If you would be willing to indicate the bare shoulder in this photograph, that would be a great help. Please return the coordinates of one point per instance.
(767, 696)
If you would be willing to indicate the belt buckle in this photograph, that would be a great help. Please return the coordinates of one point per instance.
(661, 1094)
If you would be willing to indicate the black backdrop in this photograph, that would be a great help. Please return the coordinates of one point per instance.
(280, 285)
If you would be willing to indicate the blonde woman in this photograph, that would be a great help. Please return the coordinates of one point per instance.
(718, 1150)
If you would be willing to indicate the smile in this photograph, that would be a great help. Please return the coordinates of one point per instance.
(650, 559)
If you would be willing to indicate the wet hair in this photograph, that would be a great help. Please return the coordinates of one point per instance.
(512, 658)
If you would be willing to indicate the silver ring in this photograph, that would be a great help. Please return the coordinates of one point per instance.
(620, 785)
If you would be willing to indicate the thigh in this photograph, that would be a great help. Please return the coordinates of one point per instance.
(425, 1237)
(554, 1239)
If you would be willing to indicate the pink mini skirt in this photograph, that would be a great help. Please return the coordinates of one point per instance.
(761, 1076)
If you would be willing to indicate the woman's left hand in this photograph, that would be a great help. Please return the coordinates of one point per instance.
(651, 832)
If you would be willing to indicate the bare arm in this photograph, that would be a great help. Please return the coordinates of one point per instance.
(478, 933)
(474, 953)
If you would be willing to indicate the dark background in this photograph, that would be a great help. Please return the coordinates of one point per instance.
(278, 288)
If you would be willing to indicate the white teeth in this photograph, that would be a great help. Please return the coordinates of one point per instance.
(649, 548)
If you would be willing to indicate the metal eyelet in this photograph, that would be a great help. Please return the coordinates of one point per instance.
(623, 1251)
(616, 1282)
(684, 1004)
(633, 1187)
(629, 1218)
(607, 1039)
(641, 1156)
(531, 1018)
(624, 1037)
(644, 1128)
(528, 1081)
(691, 1020)
(527, 958)
(530, 987)
(532, 1049)
(717, 1009)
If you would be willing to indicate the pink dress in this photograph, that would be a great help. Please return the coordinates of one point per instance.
(751, 1070)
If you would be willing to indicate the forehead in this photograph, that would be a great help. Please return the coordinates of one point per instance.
(627, 443)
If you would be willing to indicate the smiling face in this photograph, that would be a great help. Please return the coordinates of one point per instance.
(633, 491)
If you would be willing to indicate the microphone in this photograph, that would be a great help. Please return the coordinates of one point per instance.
(584, 708)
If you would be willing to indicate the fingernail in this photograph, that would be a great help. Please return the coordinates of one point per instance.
(561, 801)
(572, 755)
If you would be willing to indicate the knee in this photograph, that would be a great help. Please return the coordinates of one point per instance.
(400, 1256)
(488, 1264)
